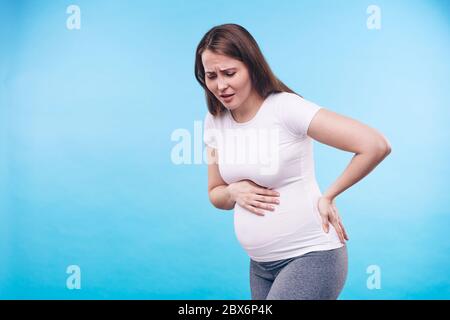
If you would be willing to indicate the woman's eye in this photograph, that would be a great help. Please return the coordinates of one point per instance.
(228, 74)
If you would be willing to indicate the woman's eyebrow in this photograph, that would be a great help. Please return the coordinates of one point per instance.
(221, 70)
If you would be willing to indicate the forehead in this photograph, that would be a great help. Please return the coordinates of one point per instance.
(212, 61)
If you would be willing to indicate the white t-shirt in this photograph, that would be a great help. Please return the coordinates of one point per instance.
(274, 151)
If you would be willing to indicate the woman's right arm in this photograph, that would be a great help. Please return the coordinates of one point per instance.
(219, 194)
(220, 198)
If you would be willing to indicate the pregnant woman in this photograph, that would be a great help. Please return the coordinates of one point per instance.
(259, 140)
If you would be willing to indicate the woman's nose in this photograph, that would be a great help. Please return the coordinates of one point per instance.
(222, 83)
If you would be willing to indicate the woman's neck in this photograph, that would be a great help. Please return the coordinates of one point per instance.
(248, 109)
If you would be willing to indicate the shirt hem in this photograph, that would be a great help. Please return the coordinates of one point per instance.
(299, 252)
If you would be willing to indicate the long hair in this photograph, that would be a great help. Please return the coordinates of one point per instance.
(236, 42)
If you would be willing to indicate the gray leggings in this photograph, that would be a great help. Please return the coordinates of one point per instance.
(317, 275)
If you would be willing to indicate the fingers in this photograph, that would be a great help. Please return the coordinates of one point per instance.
(257, 207)
(267, 199)
(338, 231)
(343, 229)
(254, 210)
(344, 232)
(337, 225)
(262, 205)
(267, 192)
(325, 225)
(263, 199)
(259, 198)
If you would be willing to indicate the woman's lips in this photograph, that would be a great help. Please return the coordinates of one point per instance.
(228, 98)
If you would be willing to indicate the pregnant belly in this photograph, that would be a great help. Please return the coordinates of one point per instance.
(294, 219)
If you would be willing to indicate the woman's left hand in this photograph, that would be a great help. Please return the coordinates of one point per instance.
(329, 214)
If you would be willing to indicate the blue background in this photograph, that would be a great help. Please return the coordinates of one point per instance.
(86, 119)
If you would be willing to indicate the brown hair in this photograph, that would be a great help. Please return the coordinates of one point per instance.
(235, 41)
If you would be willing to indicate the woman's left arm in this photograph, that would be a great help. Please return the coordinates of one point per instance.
(370, 148)
(369, 145)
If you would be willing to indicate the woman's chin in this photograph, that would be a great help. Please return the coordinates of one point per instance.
(230, 106)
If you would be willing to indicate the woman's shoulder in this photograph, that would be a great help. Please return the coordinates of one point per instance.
(293, 101)
(286, 99)
(214, 120)
(286, 96)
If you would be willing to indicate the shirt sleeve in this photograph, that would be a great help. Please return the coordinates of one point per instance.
(296, 114)
(209, 131)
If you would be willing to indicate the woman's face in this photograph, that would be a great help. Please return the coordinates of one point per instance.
(225, 76)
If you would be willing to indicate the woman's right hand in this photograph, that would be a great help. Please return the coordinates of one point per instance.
(253, 197)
